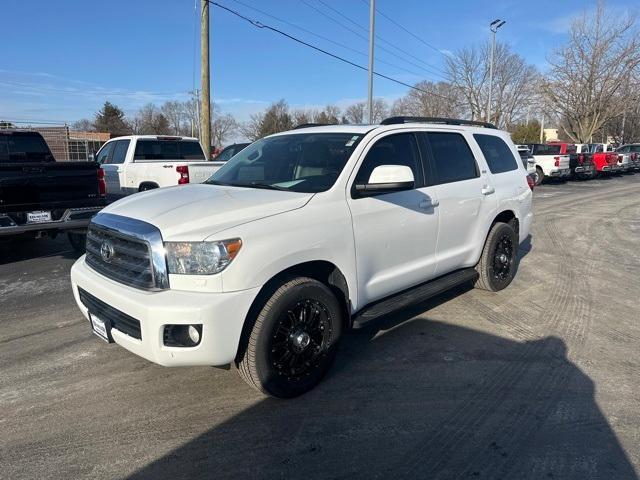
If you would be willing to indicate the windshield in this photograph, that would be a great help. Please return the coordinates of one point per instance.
(541, 149)
(24, 147)
(302, 162)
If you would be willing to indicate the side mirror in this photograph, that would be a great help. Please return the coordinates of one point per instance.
(387, 179)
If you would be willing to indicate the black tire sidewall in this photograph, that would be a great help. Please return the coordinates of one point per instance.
(539, 176)
(500, 230)
(78, 241)
(269, 378)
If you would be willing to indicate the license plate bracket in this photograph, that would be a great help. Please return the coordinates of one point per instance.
(102, 328)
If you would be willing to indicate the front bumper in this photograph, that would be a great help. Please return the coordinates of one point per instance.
(221, 315)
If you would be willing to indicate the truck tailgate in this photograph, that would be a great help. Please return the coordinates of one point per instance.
(199, 172)
(51, 184)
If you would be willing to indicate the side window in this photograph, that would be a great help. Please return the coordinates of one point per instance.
(105, 153)
(225, 155)
(399, 149)
(120, 151)
(452, 160)
(497, 154)
(191, 151)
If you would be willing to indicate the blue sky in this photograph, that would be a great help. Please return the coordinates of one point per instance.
(62, 59)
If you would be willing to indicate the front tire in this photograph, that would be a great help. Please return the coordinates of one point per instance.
(293, 340)
(497, 265)
(78, 241)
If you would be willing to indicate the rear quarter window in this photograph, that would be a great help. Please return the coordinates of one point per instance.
(497, 153)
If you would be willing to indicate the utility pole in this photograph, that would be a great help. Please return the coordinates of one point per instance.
(493, 26)
(205, 101)
(372, 21)
(542, 129)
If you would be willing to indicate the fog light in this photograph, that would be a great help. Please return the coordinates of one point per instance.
(182, 335)
(194, 334)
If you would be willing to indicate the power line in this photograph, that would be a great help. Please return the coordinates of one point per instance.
(406, 30)
(350, 20)
(261, 25)
(317, 35)
(359, 35)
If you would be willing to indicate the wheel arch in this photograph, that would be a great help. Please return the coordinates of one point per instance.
(149, 185)
(323, 271)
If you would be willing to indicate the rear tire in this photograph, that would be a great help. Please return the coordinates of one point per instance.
(539, 176)
(497, 265)
(78, 241)
(293, 341)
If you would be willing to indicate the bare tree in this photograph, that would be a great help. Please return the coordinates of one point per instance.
(150, 121)
(588, 75)
(174, 112)
(222, 127)
(439, 99)
(514, 82)
(355, 113)
(274, 119)
(83, 125)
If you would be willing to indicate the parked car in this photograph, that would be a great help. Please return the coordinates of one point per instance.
(42, 197)
(581, 164)
(604, 162)
(300, 236)
(549, 162)
(528, 160)
(634, 150)
(229, 151)
(143, 162)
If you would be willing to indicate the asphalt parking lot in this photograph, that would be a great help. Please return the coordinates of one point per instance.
(541, 380)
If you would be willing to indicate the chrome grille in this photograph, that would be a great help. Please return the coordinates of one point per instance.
(130, 263)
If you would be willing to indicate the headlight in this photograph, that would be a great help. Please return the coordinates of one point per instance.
(201, 258)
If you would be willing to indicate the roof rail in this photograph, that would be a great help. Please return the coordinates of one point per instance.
(446, 121)
(308, 125)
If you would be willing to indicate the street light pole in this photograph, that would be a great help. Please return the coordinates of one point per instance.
(372, 20)
(493, 26)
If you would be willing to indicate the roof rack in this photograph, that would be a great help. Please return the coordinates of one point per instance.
(308, 125)
(446, 121)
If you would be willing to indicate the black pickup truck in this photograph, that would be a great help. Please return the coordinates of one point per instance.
(39, 196)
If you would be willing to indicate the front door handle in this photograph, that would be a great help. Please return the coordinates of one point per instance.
(427, 204)
(487, 190)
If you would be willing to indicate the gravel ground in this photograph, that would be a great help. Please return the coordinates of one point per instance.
(541, 380)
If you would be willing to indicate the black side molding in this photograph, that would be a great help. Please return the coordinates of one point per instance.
(413, 296)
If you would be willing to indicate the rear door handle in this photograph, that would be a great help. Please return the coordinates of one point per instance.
(486, 190)
(426, 204)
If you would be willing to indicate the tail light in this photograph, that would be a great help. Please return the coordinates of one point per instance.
(581, 159)
(531, 182)
(620, 158)
(183, 170)
(557, 163)
(102, 185)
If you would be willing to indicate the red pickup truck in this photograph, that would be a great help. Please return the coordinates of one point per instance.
(581, 164)
(605, 162)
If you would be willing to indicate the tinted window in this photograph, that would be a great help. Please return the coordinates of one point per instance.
(635, 148)
(190, 150)
(540, 149)
(120, 151)
(497, 154)
(24, 147)
(226, 154)
(452, 158)
(168, 150)
(401, 149)
(105, 153)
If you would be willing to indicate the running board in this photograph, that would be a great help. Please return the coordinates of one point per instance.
(413, 296)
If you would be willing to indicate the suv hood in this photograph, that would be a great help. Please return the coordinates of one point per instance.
(194, 212)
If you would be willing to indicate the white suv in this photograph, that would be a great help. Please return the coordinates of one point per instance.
(299, 237)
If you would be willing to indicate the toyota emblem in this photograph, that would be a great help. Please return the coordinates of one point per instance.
(106, 251)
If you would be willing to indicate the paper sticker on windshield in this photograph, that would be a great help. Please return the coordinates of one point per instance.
(352, 141)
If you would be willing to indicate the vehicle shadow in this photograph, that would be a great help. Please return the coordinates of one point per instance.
(412, 397)
(19, 249)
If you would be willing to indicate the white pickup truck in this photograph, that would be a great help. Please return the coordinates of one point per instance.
(549, 162)
(137, 163)
(300, 236)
